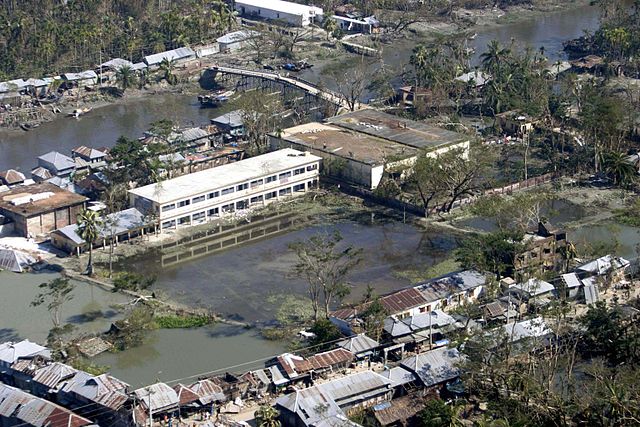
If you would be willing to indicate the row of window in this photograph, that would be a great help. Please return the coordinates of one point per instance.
(240, 187)
(232, 207)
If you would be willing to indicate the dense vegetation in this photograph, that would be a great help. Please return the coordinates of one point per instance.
(42, 37)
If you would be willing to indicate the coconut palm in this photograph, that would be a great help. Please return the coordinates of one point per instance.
(267, 416)
(494, 56)
(89, 225)
(167, 66)
(125, 77)
(619, 168)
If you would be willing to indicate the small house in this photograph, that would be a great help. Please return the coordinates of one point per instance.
(360, 345)
(180, 55)
(157, 398)
(535, 330)
(516, 123)
(12, 178)
(235, 40)
(87, 78)
(295, 14)
(57, 163)
(532, 289)
(475, 79)
(93, 157)
(434, 368)
(357, 24)
(609, 266)
(231, 123)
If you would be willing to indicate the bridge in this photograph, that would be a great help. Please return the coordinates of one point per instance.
(288, 81)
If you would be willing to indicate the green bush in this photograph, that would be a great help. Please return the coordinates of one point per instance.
(173, 321)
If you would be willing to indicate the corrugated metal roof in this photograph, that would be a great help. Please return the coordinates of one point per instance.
(534, 287)
(399, 376)
(403, 300)
(591, 291)
(435, 319)
(53, 374)
(435, 366)
(84, 75)
(58, 160)
(11, 177)
(603, 264)
(89, 153)
(15, 261)
(450, 284)
(236, 36)
(359, 344)
(34, 411)
(116, 64)
(161, 396)
(103, 389)
(41, 173)
(571, 280)
(10, 352)
(208, 391)
(330, 358)
(354, 386)
(532, 328)
(186, 396)
(170, 55)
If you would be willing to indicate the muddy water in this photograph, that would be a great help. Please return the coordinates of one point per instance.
(100, 128)
(239, 281)
(172, 354)
(626, 237)
(90, 310)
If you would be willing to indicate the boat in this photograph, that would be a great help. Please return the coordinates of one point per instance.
(80, 112)
(215, 99)
(28, 126)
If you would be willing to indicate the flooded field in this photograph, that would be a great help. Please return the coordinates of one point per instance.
(90, 310)
(624, 238)
(172, 354)
(237, 282)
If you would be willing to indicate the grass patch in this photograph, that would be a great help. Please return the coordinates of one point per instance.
(173, 321)
(436, 270)
(629, 215)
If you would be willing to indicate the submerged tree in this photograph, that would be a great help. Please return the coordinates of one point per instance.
(54, 295)
(495, 252)
(325, 268)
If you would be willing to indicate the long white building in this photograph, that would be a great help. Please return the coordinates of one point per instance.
(295, 14)
(210, 194)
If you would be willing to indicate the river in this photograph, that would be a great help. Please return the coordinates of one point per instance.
(104, 125)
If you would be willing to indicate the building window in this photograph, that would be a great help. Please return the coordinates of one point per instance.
(227, 191)
(312, 167)
(199, 216)
(166, 208)
(169, 224)
(298, 188)
(184, 220)
(256, 183)
(184, 203)
(242, 204)
(271, 179)
(198, 199)
(270, 195)
(257, 199)
(213, 212)
(228, 208)
(213, 195)
(285, 191)
(242, 187)
(285, 175)
(298, 171)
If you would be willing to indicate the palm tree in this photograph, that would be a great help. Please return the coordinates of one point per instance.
(330, 25)
(619, 168)
(167, 68)
(267, 416)
(493, 57)
(89, 225)
(126, 77)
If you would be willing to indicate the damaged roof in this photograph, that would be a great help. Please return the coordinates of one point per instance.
(435, 366)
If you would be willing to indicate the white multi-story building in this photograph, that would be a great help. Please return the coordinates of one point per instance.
(296, 14)
(210, 194)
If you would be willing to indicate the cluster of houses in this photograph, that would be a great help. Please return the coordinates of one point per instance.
(411, 359)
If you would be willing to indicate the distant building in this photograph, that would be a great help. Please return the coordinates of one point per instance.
(235, 187)
(516, 123)
(235, 40)
(38, 209)
(543, 249)
(90, 155)
(84, 78)
(357, 24)
(435, 367)
(354, 157)
(295, 14)
(179, 55)
(231, 123)
(477, 79)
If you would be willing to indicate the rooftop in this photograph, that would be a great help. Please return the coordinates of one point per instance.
(58, 160)
(38, 198)
(11, 177)
(170, 55)
(449, 284)
(225, 175)
(342, 142)
(10, 352)
(435, 366)
(393, 128)
(236, 36)
(113, 224)
(533, 328)
(88, 152)
(359, 344)
(282, 6)
(534, 287)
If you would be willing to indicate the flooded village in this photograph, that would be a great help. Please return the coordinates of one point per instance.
(331, 213)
